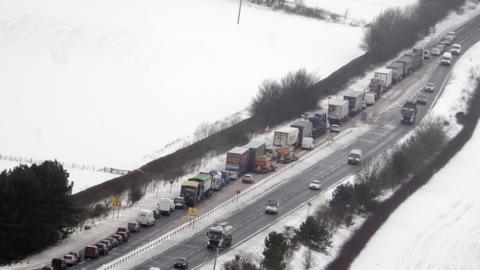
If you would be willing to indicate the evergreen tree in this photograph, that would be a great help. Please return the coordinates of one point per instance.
(35, 209)
(313, 235)
(276, 247)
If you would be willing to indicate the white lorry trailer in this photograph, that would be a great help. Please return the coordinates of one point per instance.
(337, 111)
(287, 136)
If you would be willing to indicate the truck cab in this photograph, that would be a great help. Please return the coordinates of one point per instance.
(409, 112)
(219, 235)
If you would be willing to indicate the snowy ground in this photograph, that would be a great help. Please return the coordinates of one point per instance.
(438, 226)
(110, 82)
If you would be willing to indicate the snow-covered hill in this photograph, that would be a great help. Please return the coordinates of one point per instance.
(106, 83)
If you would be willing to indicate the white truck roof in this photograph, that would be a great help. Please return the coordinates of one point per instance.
(338, 102)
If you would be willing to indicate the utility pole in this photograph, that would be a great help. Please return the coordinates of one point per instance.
(220, 243)
(238, 19)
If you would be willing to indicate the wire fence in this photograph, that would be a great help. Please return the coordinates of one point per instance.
(65, 165)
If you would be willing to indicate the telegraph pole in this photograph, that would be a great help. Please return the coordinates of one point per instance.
(238, 19)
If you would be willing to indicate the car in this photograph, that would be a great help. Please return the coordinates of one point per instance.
(58, 264)
(426, 54)
(154, 268)
(107, 243)
(271, 207)
(436, 51)
(76, 254)
(315, 185)
(124, 236)
(70, 260)
(133, 227)
(180, 262)
(156, 213)
(119, 238)
(247, 179)
(123, 229)
(355, 157)
(102, 249)
(114, 241)
(91, 252)
(456, 49)
(429, 87)
(179, 202)
(334, 128)
(421, 99)
(47, 268)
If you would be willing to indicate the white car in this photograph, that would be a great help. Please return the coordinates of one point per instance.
(456, 49)
(315, 185)
(335, 128)
(271, 207)
(436, 51)
(429, 87)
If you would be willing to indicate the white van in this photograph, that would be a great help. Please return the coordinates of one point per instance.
(446, 59)
(355, 156)
(307, 143)
(166, 206)
(146, 218)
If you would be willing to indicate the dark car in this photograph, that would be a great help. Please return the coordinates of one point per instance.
(156, 213)
(133, 227)
(102, 248)
(114, 241)
(47, 268)
(124, 236)
(59, 264)
(421, 99)
(124, 229)
(119, 238)
(180, 262)
(107, 243)
(91, 252)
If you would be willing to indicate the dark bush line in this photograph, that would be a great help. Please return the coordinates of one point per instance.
(352, 248)
(179, 162)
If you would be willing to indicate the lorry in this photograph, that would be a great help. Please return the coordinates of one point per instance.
(219, 235)
(337, 111)
(286, 136)
(305, 129)
(238, 160)
(398, 70)
(166, 206)
(376, 87)
(319, 123)
(417, 58)
(355, 101)
(286, 154)
(256, 149)
(196, 188)
(446, 59)
(409, 112)
(263, 164)
(384, 76)
(407, 61)
(217, 180)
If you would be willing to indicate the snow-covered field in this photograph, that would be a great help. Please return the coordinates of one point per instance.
(108, 83)
(438, 226)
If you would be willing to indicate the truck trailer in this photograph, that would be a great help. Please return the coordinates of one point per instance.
(355, 101)
(409, 112)
(238, 160)
(286, 136)
(398, 71)
(337, 111)
(305, 129)
(256, 149)
(385, 76)
(319, 123)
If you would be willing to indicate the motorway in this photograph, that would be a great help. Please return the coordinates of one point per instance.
(386, 132)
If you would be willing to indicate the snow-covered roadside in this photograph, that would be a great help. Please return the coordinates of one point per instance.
(438, 226)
